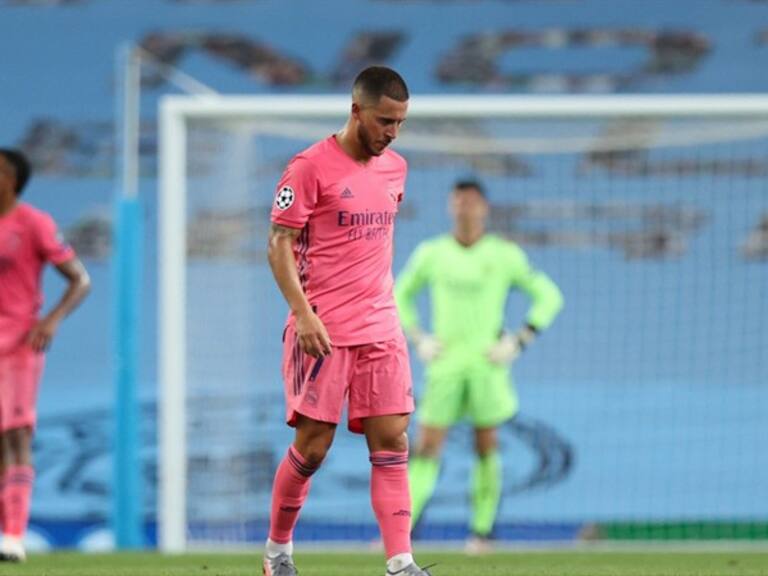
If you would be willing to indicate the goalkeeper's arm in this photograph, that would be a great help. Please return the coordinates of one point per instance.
(409, 283)
(546, 303)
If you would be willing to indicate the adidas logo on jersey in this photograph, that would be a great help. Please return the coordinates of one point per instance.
(347, 193)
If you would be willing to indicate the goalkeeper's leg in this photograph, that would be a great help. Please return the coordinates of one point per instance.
(492, 401)
(486, 482)
(424, 468)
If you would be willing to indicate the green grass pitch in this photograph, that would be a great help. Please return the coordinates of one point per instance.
(545, 563)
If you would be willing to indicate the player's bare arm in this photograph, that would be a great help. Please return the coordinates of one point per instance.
(313, 337)
(78, 286)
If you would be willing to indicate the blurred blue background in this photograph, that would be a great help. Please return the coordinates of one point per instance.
(646, 399)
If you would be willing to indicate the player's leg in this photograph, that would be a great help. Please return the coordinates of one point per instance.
(492, 401)
(19, 479)
(441, 405)
(424, 468)
(380, 403)
(390, 496)
(20, 373)
(2, 468)
(486, 488)
(290, 490)
(314, 402)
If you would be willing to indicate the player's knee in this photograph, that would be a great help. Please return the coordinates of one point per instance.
(430, 444)
(17, 443)
(486, 445)
(314, 450)
(394, 443)
(315, 456)
(429, 449)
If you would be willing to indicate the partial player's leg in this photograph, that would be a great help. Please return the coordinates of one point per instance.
(486, 489)
(424, 468)
(390, 498)
(17, 493)
(492, 401)
(380, 402)
(290, 490)
(314, 393)
(441, 405)
(20, 372)
(2, 470)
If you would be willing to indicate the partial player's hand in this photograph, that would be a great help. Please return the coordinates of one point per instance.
(506, 350)
(428, 348)
(39, 338)
(312, 335)
(509, 346)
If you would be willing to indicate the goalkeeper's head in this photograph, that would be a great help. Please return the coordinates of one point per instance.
(15, 171)
(468, 203)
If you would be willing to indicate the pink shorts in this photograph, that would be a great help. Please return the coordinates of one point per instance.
(20, 372)
(376, 378)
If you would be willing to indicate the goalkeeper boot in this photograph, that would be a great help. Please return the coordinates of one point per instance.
(478, 545)
(280, 565)
(410, 570)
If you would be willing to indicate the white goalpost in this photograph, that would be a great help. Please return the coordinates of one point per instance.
(637, 181)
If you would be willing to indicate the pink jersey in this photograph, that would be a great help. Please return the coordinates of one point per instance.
(28, 239)
(344, 255)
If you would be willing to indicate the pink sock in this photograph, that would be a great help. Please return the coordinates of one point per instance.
(16, 497)
(289, 491)
(391, 500)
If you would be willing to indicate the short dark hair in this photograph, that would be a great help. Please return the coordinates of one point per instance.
(469, 184)
(21, 166)
(377, 81)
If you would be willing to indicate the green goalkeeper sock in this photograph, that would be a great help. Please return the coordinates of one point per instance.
(422, 477)
(486, 493)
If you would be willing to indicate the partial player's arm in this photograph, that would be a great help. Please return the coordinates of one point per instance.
(78, 286)
(546, 303)
(313, 337)
(546, 299)
(409, 283)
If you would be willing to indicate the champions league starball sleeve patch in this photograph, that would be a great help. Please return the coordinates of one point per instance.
(285, 197)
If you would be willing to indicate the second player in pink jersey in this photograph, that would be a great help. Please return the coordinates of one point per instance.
(330, 249)
(28, 241)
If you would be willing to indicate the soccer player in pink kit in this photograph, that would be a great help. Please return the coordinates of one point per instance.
(330, 249)
(28, 240)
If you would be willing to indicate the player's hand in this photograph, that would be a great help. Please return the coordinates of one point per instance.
(312, 335)
(428, 348)
(506, 350)
(509, 346)
(39, 338)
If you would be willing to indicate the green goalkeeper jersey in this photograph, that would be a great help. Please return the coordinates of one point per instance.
(469, 288)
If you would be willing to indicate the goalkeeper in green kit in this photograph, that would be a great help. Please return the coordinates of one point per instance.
(468, 353)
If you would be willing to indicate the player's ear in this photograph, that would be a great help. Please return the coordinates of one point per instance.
(356, 110)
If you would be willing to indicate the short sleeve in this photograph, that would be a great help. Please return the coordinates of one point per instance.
(51, 244)
(297, 194)
(403, 177)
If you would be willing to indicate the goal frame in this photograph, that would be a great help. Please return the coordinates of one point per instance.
(174, 113)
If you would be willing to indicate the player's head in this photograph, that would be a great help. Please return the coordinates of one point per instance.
(15, 170)
(379, 107)
(468, 203)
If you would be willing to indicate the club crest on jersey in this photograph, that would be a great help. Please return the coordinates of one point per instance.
(285, 197)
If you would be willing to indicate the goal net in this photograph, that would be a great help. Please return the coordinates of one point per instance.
(640, 407)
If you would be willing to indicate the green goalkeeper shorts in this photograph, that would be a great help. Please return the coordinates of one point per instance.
(480, 391)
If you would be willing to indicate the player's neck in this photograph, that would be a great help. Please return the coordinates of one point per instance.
(349, 143)
(467, 236)
(7, 203)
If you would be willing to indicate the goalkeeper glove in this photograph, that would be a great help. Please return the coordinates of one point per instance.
(509, 346)
(428, 348)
